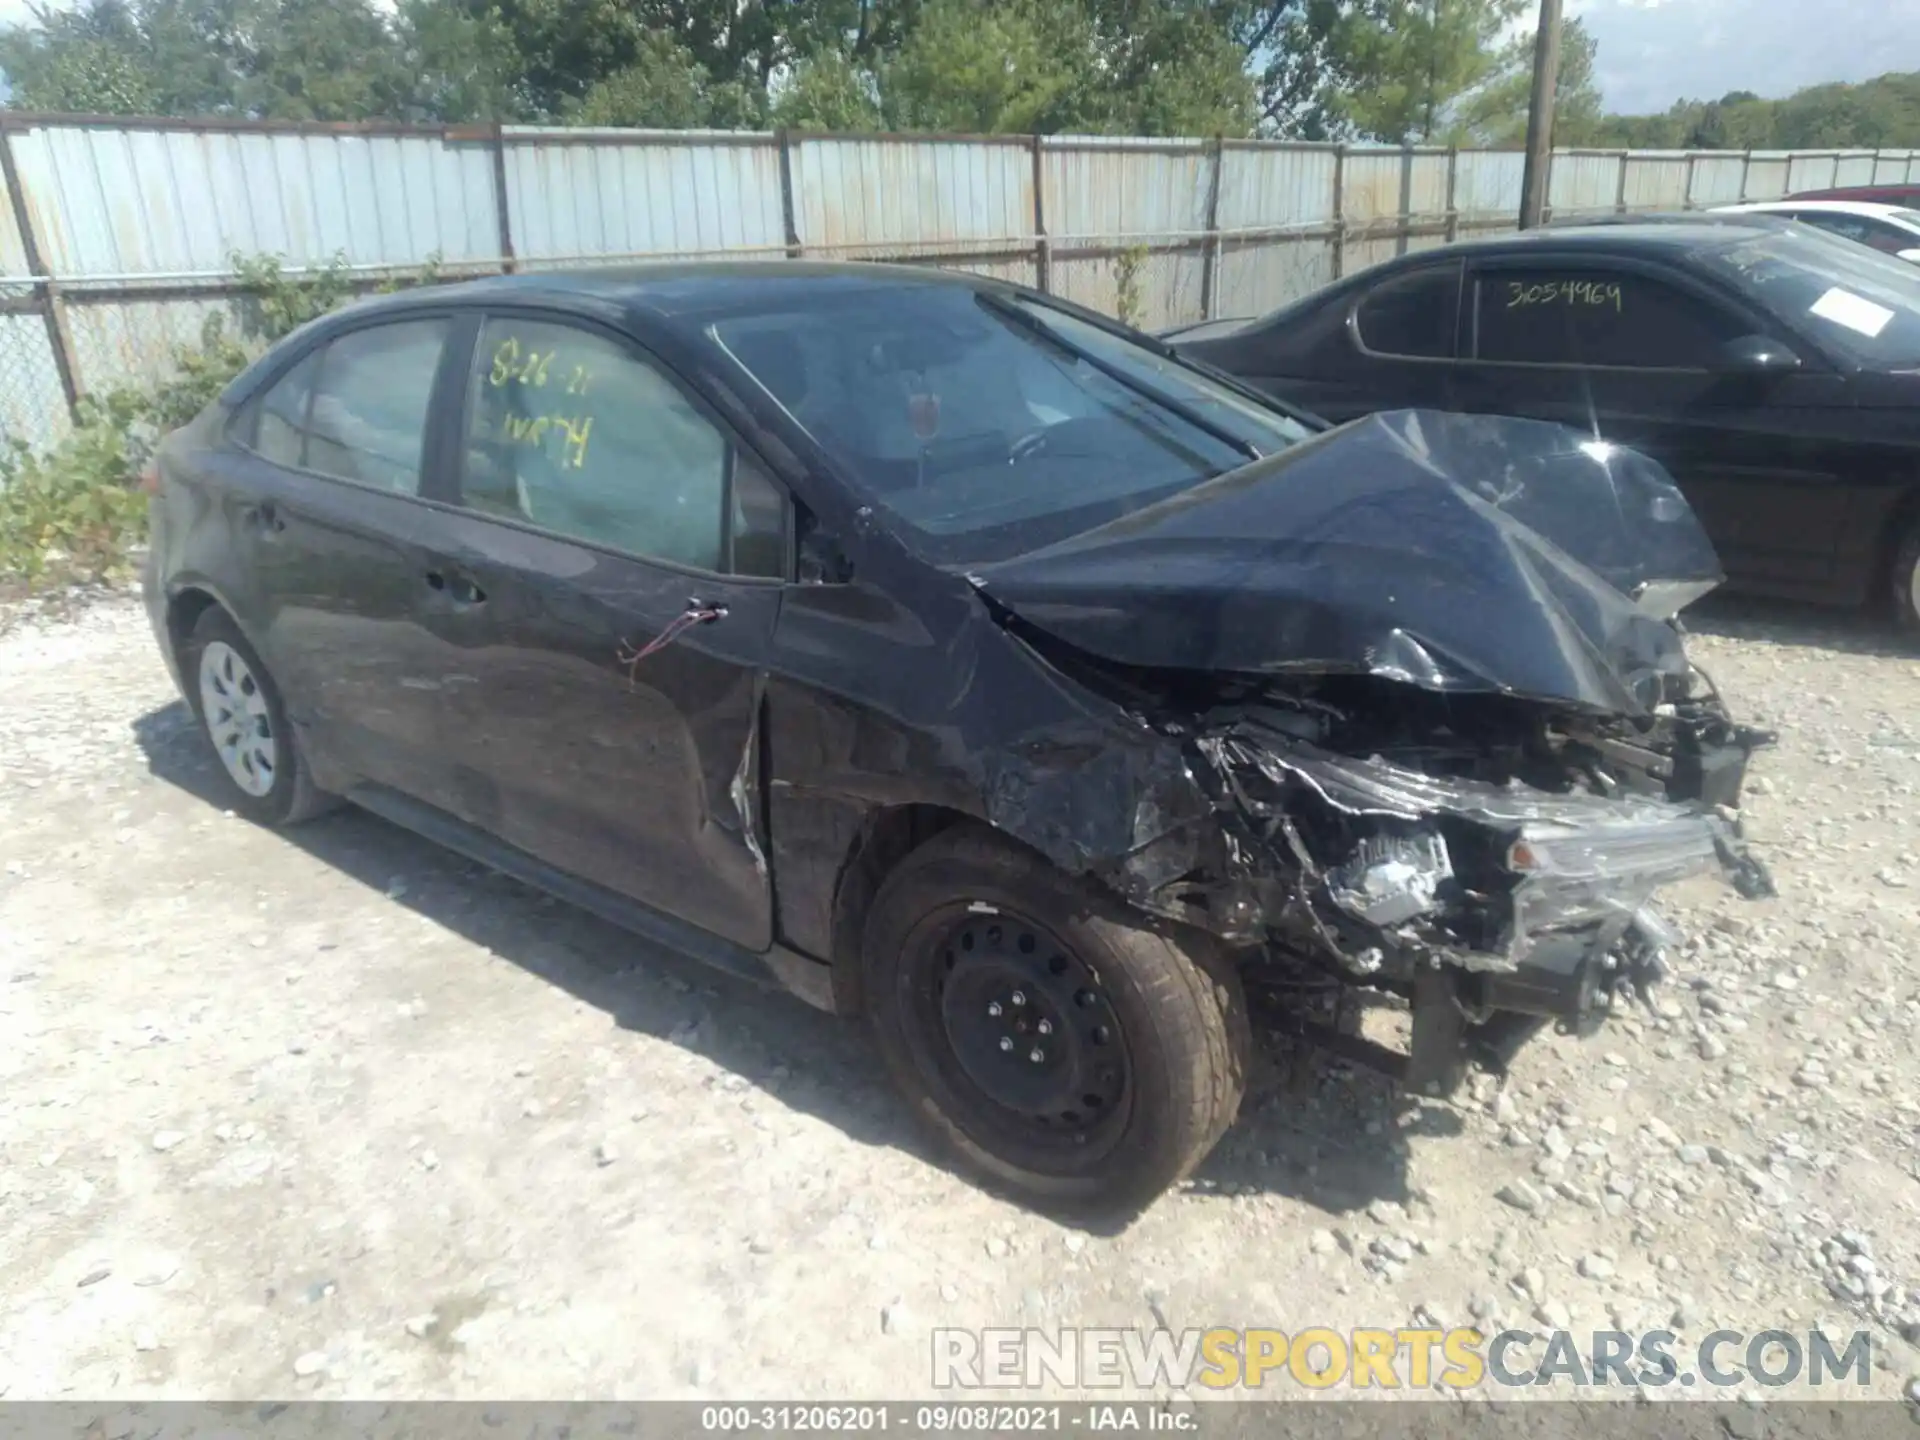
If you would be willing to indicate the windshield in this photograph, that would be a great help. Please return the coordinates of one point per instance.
(986, 425)
(1863, 303)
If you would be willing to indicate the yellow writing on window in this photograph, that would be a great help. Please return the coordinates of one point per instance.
(569, 435)
(1593, 293)
(515, 364)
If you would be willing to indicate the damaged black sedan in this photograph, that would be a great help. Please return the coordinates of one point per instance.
(959, 660)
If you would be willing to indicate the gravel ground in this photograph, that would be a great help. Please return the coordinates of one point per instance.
(333, 1112)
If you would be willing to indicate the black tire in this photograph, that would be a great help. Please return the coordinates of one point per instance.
(291, 796)
(1905, 579)
(968, 910)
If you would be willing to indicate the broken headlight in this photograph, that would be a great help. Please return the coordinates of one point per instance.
(1391, 879)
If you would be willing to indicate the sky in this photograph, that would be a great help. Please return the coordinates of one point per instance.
(1654, 52)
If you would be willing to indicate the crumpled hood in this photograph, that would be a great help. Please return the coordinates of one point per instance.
(1452, 552)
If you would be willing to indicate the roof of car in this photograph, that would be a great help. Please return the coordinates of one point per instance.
(1873, 209)
(682, 287)
(1647, 232)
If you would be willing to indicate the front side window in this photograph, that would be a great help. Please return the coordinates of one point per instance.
(356, 409)
(1413, 315)
(987, 425)
(573, 432)
(1593, 316)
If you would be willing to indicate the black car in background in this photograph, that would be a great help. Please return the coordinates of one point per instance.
(959, 660)
(1772, 369)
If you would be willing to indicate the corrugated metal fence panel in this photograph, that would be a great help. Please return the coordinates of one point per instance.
(1487, 185)
(1272, 185)
(1855, 169)
(1371, 191)
(1895, 167)
(574, 195)
(1717, 180)
(921, 194)
(1812, 172)
(154, 202)
(1427, 184)
(1657, 181)
(1582, 183)
(1267, 187)
(1109, 195)
(13, 252)
(1768, 174)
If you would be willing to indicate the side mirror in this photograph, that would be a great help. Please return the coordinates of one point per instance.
(1756, 357)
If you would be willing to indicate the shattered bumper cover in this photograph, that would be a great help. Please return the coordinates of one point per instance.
(1494, 909)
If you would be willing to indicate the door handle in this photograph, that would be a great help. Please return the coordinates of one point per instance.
(458, 588)
(266, 517)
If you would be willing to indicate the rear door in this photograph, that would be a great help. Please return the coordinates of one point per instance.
(336, 527)
(1386, 347)
(629, 556)
(1629, 352)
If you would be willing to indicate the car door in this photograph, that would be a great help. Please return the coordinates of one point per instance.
(1633, 353)
(335, 524)
(1386, 346)
(629, 556)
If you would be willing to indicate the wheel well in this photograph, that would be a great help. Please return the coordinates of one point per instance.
(888, 837)
(183, 613)
(1900, 522)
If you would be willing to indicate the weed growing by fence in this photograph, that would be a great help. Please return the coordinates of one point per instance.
(71, 513)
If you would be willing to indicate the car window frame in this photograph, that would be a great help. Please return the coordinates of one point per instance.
(638, 349)
(1467, 341)
(1351, 322)
(242, 427)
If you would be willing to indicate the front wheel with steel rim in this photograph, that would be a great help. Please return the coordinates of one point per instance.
(240, 711)
(1054, 1037)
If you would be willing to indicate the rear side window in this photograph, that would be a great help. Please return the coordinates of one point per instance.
(1595, 317)
(1413, 315)
(357, 408)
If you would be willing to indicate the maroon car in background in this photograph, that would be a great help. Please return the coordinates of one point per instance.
(1871, 194)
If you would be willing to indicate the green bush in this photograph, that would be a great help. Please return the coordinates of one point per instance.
(72, 512)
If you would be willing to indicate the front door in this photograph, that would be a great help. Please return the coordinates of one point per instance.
(1631, 355)
(630, 558)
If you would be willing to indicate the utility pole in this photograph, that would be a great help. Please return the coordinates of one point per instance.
(1546, 71)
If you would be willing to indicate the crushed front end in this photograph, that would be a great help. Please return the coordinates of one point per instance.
(1412, 713)
(1493, 863)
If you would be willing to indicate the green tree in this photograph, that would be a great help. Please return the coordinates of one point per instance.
(665, 88)
(1497, 114)
(1405, 65)
(288, 59)
(828, 91)
(464, 61)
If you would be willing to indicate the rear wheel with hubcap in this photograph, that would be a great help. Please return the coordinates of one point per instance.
(239, 709)
(1047, 1032)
